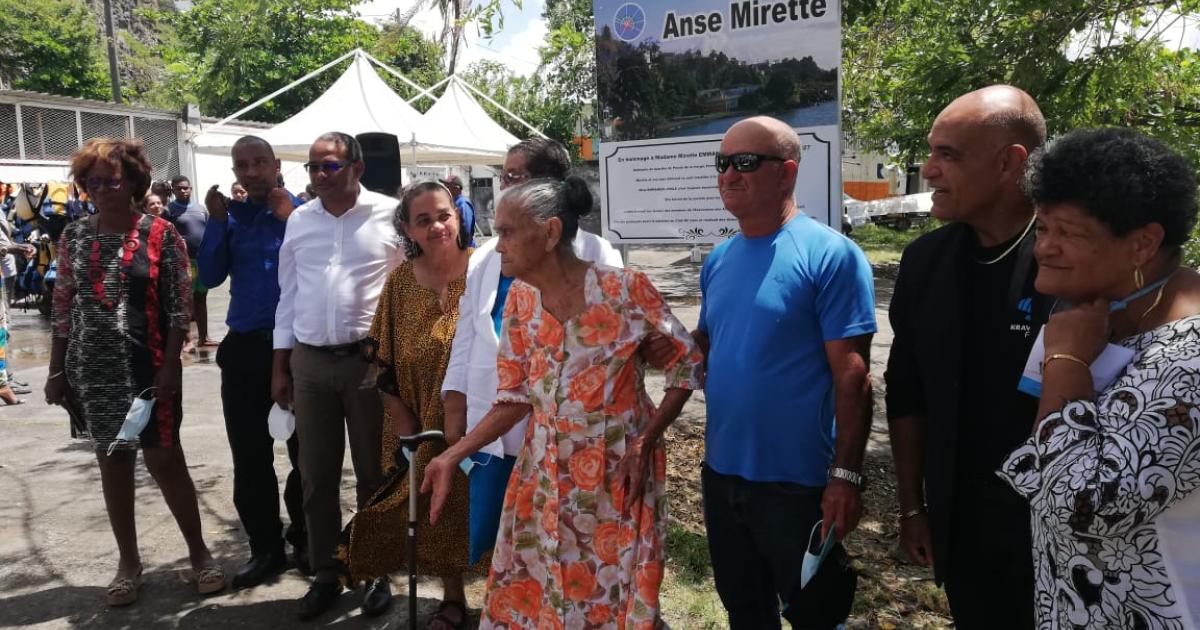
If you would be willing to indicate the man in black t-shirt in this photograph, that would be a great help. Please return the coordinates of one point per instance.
(964, 314)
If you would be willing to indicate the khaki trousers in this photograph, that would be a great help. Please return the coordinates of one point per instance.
(328, 390)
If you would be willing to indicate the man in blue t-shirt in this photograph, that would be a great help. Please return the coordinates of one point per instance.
(190, 219)
(453, 183)
(786, 319)
(241, 242)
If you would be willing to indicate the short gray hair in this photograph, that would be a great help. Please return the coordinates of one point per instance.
(545, 198)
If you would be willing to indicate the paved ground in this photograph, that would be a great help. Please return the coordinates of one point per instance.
(56, 549)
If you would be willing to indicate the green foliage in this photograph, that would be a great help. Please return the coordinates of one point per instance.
(405, 49)
(907, 59)
(52, 46)
(235, 51)
(533, 98)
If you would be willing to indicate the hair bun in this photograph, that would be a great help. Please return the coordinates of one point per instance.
(576, 196)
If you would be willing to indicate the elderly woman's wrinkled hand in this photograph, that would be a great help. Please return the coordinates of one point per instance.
(1082, 331)
(633, 470)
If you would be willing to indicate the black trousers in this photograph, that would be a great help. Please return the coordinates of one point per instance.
(757, 535)
(989, 574)
(245, 362)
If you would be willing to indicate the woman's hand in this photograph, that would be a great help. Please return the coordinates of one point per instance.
(56, 388)
(1081, 332)
(167, 381)
(439, 474)
(633, 470)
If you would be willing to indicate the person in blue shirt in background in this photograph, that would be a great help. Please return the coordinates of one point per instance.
(786, 320)
(465, 207)
(242, 242)
(189, 218)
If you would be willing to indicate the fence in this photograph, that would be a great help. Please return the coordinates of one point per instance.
(49, 133)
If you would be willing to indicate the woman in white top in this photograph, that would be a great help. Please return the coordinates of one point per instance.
(1111, 467)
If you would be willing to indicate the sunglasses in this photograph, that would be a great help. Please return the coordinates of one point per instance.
(100, 183)
(743, 162)
(329, 167)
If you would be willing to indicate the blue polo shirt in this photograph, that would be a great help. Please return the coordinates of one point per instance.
(245, 247)
(769, 305)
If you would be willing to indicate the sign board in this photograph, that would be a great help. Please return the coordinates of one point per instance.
(674, 76)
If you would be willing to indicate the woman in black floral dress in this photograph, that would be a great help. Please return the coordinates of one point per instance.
(1112, 467)
(121, 310)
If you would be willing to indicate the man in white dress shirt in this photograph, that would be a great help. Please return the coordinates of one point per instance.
(336, 254)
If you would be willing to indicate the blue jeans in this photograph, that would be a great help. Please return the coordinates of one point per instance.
(757, 535)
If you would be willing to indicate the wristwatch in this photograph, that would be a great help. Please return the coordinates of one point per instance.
(854, 478)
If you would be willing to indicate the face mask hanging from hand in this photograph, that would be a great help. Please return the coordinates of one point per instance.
(135, 422)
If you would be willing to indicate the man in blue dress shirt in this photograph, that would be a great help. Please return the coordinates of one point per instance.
(454, 184)
(242, 241)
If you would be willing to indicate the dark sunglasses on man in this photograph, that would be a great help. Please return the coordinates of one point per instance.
(329, 167)
(743, 162)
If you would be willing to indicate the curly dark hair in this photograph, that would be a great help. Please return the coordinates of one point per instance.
(127, 154)
(402, 216)
(1119, 176)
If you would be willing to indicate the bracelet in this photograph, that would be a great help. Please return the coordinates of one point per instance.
(56, 375)
(1065, 356)
(913, 512)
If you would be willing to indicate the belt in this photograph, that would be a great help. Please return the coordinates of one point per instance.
(343, 350)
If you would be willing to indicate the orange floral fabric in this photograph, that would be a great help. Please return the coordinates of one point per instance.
(566, 556)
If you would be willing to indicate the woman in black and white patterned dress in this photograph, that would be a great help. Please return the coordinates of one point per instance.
(1110, 474)
(121, 311)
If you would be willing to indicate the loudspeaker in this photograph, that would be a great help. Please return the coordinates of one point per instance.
(381, 154)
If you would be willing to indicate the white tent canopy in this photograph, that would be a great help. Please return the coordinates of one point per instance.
(455, 131)
(464, 124)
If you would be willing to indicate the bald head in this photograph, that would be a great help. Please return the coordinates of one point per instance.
(774, 135)
(1008, 112)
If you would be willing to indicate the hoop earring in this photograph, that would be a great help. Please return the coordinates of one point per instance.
(1138, 280)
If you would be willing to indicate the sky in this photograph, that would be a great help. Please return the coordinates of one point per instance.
(515, 45)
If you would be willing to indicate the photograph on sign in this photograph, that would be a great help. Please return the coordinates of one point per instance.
(673, 77)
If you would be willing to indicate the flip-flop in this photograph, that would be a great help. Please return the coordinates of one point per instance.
(124, 591)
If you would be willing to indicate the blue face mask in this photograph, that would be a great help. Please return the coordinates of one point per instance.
(135, 422)
(812, 562)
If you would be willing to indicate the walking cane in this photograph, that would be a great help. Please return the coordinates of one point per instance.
(412, 442)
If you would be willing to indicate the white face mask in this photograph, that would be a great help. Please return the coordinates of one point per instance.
(135, 422)
(281, 423)
(812, 561)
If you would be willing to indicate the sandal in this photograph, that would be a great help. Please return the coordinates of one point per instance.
(450, 623)
(124, 591)
(208, 580)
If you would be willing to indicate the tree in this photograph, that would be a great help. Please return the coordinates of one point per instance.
(1087, 62)
(235, 51)
(409, 52)
(530, 97)
(52, 46)
(779, 89)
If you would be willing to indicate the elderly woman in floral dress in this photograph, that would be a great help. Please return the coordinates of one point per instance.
(581, 535)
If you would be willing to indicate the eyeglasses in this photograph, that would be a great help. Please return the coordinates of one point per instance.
(329, 167)
(509, 178)
(99, 183)
(744, 162)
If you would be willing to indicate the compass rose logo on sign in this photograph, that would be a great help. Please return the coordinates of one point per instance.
(629, 21)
